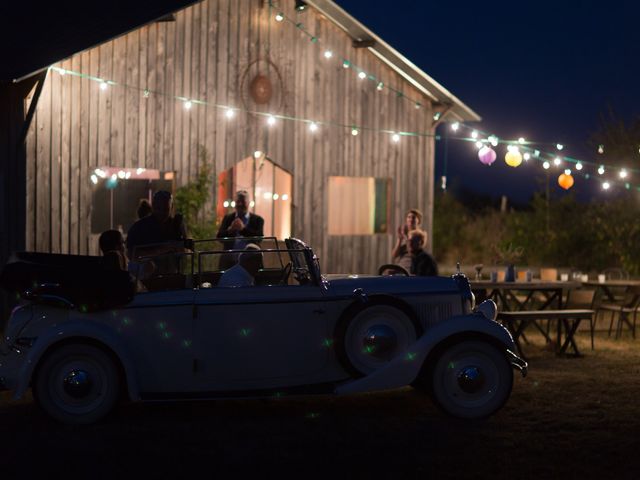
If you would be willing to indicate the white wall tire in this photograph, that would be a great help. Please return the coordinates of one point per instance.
(77, 384)
(471, 379)
(372, 337)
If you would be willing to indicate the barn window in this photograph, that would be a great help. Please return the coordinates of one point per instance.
(270, 192)
(358, 205)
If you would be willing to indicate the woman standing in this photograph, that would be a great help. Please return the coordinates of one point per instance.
(400, 255)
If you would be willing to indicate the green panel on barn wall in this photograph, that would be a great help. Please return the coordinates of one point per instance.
(381, 218)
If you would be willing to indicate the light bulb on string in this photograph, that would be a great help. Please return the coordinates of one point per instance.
(493, 140)
(623, 173)
(559, 146)
(601, 169)
(395, 138)
(455, 126)
(328, 54)
(546, 165)
(230, 113)
(536, 153)
(417, 106)
(522, 141)
(557, 161)
(606, 186)
(526, 156)
(600, 149)
(271, 120)
(61, 71)
(567, 171)
(354, 131)
(233, 204)
(279, 17)
(479, 145)
(225, 204)
(313, 127)
(436, 116)
(103, 85)
(345, 64)
(474, 134)
(94, 179)
(362, 75)
(188, 105)
(257, 154)
(380, 86)
(578, 166)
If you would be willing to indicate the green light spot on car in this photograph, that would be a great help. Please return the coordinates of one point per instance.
(186, 343)
(327, 342)
(166, 335)
(162, 325)
(245, 332)
(411, 356)
(313, 415)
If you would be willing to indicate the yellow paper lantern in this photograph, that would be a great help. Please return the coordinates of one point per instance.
(513, 159)
(565, 181)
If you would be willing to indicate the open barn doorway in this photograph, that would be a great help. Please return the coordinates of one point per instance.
(270, 191)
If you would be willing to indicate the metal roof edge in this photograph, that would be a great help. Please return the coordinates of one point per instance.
(395, 60)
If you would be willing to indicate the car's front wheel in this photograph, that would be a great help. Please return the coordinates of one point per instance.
(77, 384)
(471, 379)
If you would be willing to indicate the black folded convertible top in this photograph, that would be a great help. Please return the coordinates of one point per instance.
(82, 280)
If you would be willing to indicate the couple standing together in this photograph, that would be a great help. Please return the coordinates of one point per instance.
(409, 250)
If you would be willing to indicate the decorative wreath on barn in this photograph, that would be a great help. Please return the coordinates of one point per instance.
(261, 86)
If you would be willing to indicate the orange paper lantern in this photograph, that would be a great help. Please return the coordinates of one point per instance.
(565, 181)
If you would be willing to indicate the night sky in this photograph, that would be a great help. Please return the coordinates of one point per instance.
(543, 70)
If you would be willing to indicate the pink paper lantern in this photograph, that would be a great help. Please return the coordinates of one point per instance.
(487, 155)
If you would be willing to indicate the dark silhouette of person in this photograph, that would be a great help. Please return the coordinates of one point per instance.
(144, 209)
(422, 264)
(159, 227)
(111, 244)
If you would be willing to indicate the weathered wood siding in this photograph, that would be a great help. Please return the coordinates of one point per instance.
(204, 55)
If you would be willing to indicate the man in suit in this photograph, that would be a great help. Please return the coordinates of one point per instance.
(241, 223)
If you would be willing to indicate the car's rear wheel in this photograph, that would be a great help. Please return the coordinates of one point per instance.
(372, 337)
(471, 379)
(77, 384)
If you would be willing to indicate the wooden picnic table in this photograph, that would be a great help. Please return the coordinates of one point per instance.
(607, 285)
(505, 293)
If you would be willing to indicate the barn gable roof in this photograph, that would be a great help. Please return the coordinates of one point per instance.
(57, 30)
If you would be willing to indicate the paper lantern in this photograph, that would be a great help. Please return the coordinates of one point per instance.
(487, 155)
(565, 181)
(513, 159)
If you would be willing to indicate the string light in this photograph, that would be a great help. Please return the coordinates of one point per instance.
(567, 171)
(380, 86)
(546, 165)
(521, 141)
(285, 197)
(103, 85)
(362, 75)
(526, 156)
(233, 204)
(578, 166)
(493, 140)
(94, 179)
(436, 116)
(395, 138)
(271, 120)
(345, 64)
(354, 131)
(559, 146)
(225, 204)
(328, 54)
(455, 126)
(313, 127)
(606, 185)
(600, 149)
(229, 113)
(479, 145)
(557, 161)
(257, 154)
(536, 153)
(279, 17)
(623, 173)
(601, 169)
(275, 196)
(474, 134)
(188, 105)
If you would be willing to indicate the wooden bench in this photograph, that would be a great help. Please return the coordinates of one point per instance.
(567, 323)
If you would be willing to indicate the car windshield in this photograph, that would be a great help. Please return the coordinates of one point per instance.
(205, 261)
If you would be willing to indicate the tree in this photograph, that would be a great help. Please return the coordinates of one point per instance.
(620, 140)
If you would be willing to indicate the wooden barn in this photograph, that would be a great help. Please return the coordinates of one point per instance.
(329, 128)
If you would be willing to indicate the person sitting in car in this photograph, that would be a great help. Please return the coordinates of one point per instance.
(422, 264)
(111, 244)
(243, 273)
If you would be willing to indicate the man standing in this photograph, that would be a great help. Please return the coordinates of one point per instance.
(159, 227)
(241, 223)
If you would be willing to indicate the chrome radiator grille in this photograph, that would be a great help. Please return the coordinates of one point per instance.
(433, 312)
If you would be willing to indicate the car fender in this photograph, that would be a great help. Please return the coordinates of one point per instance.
(404, 368)
(76, 329)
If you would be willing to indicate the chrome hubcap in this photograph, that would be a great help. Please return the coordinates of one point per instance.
(471, 379)
(77, 383)
(380, 341)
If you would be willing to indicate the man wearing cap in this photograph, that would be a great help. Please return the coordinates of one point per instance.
(241, 223)
(159, 227)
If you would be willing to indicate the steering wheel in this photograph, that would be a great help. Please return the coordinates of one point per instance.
(286, 271)
(392, 269)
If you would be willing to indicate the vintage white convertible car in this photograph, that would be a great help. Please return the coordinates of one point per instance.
(84, 337)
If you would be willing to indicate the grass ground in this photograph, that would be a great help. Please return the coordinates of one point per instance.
(570, 418)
